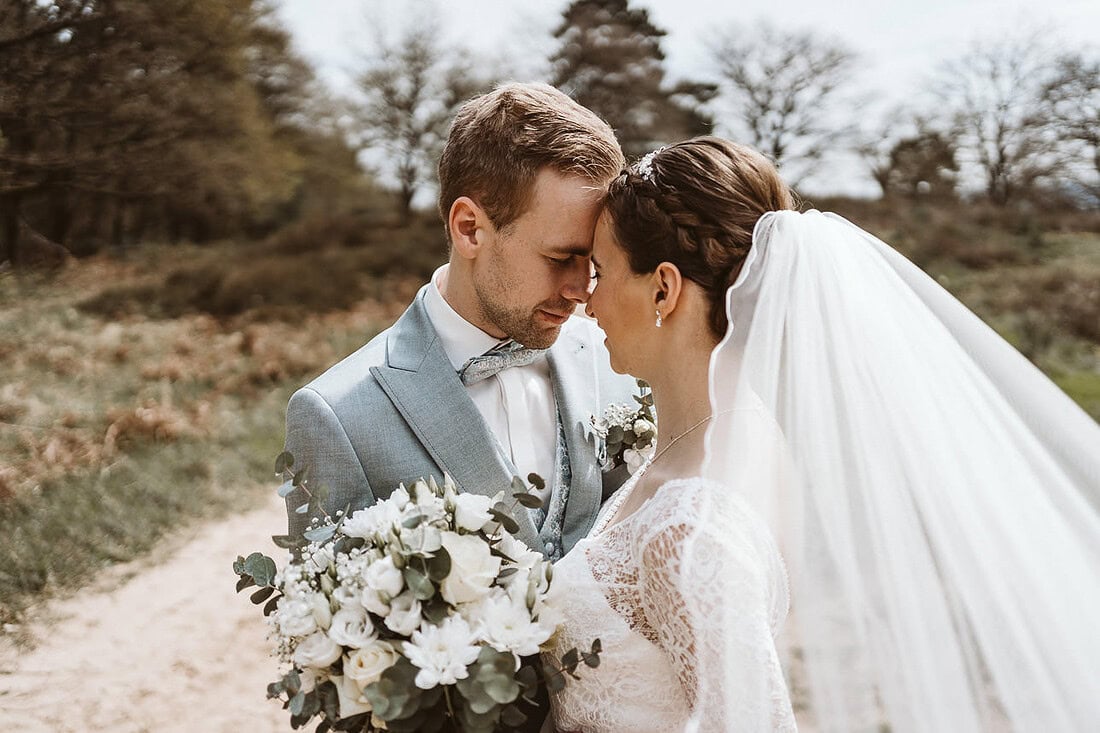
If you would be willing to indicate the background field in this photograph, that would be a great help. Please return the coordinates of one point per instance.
(146, 389)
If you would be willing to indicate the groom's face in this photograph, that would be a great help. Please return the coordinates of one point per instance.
(535, 271)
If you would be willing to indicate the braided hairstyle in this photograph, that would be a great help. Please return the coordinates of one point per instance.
(695, 204)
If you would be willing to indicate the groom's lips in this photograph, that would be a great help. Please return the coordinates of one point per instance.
(555, 318)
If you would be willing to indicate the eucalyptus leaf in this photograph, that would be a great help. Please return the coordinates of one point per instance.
(615, 434)
(536, 481)
(505, 520)
(528, 500)
(571, 659)
(286, 541)
(302, 477)
(283, 461)
(286, 489)
(244, 582)
(302, 509)
(513, 716)
(439, 566)
(419, 584)
(261, 595)
(271, 606)
(507, 573)
(320, 534)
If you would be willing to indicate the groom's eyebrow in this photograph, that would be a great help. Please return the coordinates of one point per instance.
(575, 250)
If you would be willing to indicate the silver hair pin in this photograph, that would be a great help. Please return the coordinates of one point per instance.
(645, 165)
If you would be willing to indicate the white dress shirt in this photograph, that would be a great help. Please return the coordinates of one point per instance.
(517, 404)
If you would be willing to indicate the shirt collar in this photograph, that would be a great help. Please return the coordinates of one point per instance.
(461, 339)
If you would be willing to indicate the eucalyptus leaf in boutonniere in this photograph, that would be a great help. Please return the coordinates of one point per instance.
(627, 434)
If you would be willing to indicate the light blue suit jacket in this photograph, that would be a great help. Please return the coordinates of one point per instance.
(395, 411)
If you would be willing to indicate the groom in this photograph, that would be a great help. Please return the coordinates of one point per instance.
(488, 374)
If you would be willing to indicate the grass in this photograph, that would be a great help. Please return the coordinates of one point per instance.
(116, 429)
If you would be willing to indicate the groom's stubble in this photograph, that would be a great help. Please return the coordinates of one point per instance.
(496, 292)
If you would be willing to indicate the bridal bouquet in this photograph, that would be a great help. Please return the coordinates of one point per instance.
(628, 434)
(422, 612)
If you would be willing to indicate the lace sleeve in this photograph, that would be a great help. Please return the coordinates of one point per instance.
(706, 587)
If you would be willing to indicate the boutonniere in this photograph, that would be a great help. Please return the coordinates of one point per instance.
(626, 435)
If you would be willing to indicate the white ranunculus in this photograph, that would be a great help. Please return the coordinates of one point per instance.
(316, 650)
(636, 458)
(352, 699)
(423, 539)
(507, 626)
(351, 627)
(383, 576)
(473, 568)
(472, 511)
(366, 665)
(295, 617)
(404, 616)
(378, 518)
(442, 652)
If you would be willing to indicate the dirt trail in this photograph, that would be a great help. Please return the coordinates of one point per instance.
(162, 644)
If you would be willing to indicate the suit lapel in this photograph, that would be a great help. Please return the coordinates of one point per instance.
(574, 390)
(423, 386)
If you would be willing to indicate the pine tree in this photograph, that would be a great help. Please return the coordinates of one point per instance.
(610, 60)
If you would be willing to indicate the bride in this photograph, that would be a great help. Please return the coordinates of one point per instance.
(822, 400)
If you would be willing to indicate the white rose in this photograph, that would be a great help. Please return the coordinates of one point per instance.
(473, 568)
(404, 616)
(643, 426)
(372, 601)
(351, 627)
(383, 576)
(472, 511)
(316, 650)
(352, 699)
(366, 665)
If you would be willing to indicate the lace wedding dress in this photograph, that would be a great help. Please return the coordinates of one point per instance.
(685, 595)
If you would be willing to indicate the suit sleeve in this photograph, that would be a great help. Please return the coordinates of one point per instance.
(318, 441)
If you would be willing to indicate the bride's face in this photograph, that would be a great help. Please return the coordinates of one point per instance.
(621, 302)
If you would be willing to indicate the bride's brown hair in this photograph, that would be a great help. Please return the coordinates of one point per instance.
(695, 204)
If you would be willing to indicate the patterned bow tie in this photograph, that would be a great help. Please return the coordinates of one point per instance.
(497, 359)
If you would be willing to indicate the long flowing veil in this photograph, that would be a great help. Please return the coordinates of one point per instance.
(934, 495)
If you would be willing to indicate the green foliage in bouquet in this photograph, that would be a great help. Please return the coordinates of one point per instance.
(420, 613)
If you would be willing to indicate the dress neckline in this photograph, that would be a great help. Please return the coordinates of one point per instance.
(618, 500)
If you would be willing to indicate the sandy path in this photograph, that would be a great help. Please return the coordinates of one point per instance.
(162, 644)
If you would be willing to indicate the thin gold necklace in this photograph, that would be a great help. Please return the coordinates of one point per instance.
(673, 441)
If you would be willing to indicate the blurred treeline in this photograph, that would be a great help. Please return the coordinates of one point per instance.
(127, 121)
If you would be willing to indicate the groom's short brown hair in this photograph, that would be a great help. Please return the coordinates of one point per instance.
(500, 140)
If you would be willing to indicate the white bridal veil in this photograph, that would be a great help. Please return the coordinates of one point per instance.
(935, 496)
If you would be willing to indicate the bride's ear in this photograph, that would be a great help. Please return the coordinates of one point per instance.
(667, 287)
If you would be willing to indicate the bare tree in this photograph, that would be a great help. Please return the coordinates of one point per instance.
(1072, 99)
(909, 155)
(994, 94)
(410, 90)
(781, 89)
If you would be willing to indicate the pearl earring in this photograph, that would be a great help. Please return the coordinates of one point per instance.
(659, 321)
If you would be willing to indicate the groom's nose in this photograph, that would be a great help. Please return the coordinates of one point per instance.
(576, 286)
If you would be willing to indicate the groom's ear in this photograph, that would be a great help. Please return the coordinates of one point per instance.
(466, 223)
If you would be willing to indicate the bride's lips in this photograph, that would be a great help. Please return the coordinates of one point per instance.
(556, 318)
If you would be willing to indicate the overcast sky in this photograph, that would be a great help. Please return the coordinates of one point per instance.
(900, 42)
